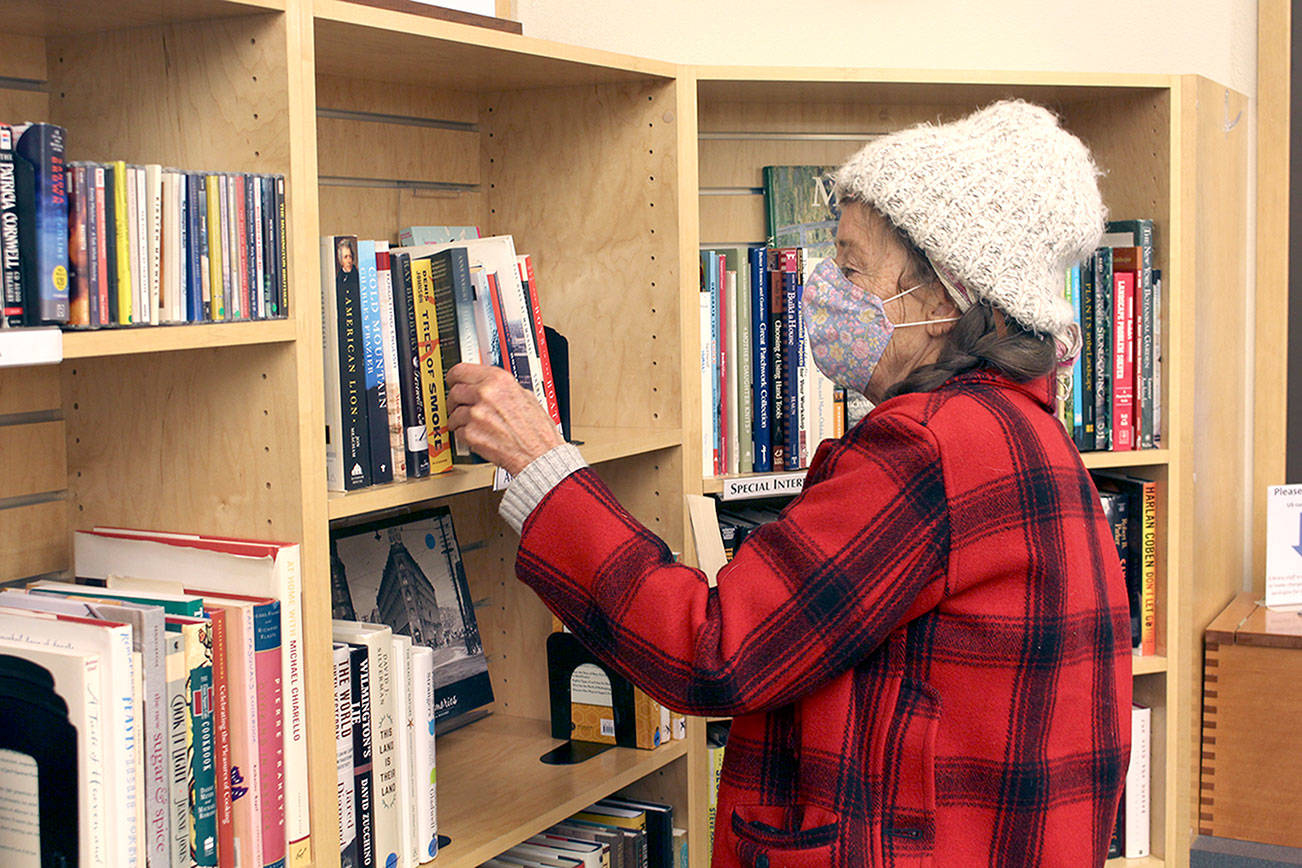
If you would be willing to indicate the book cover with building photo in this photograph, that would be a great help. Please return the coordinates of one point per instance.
(405, 571)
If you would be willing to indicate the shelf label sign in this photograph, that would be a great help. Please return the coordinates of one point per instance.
(1284, 546)
(769, 485)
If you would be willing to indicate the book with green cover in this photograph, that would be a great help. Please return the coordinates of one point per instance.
(801, 209)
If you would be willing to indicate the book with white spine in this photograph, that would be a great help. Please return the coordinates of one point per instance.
(344, 758)
(402, 707)
(425, 710)
(119, 725)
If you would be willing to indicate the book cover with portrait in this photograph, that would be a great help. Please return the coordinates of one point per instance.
(406, 571)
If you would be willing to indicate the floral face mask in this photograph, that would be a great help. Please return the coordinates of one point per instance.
(847, 326)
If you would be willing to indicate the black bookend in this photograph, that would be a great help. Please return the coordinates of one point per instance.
(565, 654)
(558, 351)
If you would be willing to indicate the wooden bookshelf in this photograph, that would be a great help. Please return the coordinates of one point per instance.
(605, 168)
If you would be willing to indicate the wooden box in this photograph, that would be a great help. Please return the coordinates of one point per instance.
(1251, 785)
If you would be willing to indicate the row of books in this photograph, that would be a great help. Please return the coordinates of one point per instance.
(1111, 398)
(765, 404)
(1131, 836)
(612, 833)
(186, 697)
(1130, 505)
(113, 244)
(396, 320)
(385, 751)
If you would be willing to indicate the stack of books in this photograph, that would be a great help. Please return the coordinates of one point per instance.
(1130, 504)
(187, 696)
(113, 244)
(396, 320)
(614, 832)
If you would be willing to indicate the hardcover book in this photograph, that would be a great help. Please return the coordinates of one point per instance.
(801, 208)
(406, 571)
(42, 199)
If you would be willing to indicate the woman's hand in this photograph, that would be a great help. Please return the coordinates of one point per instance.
(497, 418)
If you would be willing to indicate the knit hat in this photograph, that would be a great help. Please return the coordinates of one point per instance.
(1002, 201)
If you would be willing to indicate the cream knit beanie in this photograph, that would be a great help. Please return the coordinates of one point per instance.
(1002, 201)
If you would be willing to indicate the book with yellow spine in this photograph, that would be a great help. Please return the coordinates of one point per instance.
(215, 245)
(122, 239)
(431, 366)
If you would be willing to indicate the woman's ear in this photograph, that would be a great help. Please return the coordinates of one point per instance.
(940, 311)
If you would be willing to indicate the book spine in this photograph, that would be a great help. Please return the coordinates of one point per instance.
(1148, 568)
(791, 355)
(363, 771)
(530, 281)
(179, 735)
(354, 436)
(334, 402)
(230, 253)
(203, 798)
(1087, 356)
(745, 364)
(412, 402)
(423, 752)
(1123, 373)
(711, 272)
(282, 272)
(78, 261)
(345, 786)
(258, 248)
(153, 201)
(515, 313)
(1157, 357)
(120, 250)
(761, 382)
(288, 590)
(777, 356)
(223, 656)
(202, 286)
(1146, 346)
(271, 739)
(490, 341)
(385, 752)
(723, 325)
(445, 309)
(1103, 349)
(212, 228)
(137, 245)
(42, 202)
(732, 400)
(1078, 367)
(706, 331)
(431, 366)
(468, 330)
(404, 796)
(101, 235)
(377, 398)
(389, 340)
(268, 258)
(1138, 783)
(248, 246)
(93, 193)
(11, 275)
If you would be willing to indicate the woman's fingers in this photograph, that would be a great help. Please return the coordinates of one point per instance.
(497, 418)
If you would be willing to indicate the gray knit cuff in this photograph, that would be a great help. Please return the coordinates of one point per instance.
(543, 474)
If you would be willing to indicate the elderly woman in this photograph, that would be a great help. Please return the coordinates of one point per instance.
(927, 656)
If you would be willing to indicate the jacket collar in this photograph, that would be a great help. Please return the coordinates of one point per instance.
(1040, 390)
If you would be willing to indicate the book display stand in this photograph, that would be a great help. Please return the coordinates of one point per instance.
(612, 171)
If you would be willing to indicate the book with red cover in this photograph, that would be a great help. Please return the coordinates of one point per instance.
(540, 338)
(1123, 360)
(221, 717)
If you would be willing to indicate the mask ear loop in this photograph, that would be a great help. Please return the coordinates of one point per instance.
(905, 325)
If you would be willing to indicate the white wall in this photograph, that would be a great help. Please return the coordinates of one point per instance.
(1215, 38)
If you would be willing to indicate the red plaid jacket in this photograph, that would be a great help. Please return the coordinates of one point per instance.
(927, 657)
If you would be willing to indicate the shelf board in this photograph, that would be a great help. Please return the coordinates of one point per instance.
(1132, 458)
(1146, 862)
(596, 444)
(169, 338)
(1150, 665)
(74, 17)
(494, 792)
(359, 41)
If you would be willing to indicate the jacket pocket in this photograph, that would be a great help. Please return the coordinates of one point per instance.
(909, 799)
(771, 836)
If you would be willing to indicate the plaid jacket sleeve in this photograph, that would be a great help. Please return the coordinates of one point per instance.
(861, 551)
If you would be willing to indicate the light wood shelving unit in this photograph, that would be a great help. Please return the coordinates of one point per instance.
(597, 163)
